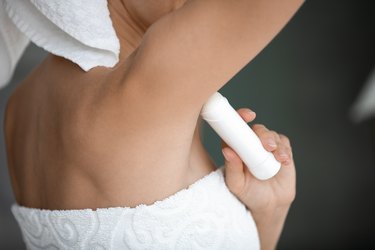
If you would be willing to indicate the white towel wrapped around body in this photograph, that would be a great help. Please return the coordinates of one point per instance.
(206, 215)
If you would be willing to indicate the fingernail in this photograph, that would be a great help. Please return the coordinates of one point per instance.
(226, 154)
(284, 155)
(272, 143)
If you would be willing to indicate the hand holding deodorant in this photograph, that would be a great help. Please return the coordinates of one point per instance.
(230, 126)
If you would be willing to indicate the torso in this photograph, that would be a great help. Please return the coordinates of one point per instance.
(75, 140)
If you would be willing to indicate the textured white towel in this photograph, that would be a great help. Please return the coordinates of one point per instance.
(79, 30)
(206, 215)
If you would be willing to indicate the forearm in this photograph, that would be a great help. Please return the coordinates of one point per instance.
(270, 225)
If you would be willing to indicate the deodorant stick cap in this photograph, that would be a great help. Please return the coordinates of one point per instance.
(267, 169)
(214, 106)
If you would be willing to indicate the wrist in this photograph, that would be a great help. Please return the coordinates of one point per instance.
(273, 215)
(270, 224)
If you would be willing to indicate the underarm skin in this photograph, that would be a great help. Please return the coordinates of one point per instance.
(201, 46)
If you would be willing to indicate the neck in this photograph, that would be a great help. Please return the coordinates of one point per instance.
(131, 19)
(128, 28)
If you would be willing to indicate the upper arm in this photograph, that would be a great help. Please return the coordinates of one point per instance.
(190, 53)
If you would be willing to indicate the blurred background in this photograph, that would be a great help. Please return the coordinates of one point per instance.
(302, 84)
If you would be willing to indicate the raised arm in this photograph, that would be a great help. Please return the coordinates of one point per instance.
(190, 53)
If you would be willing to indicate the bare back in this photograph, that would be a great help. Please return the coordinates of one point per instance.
(74, 140)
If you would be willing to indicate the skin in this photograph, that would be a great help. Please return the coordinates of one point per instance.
(110, 137)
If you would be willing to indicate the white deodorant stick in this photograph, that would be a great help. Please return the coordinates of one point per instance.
(230, 126)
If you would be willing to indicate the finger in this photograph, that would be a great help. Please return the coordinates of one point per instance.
(287, 167)
(269, 138)
(234, 174)
(285, 140)
(283, 153)
(223, 144)
(246, 114)
(261, 129)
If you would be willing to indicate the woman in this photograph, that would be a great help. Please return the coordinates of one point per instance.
(129, 135)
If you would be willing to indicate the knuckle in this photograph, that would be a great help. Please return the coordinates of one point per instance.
(286, 148)
(285, 140)
(265, 135)
(257, 126)
(260, 129)
(275, 135)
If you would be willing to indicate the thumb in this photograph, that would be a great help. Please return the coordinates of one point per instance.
(234, 174)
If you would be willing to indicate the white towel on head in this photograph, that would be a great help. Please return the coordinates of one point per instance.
(78, 30)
